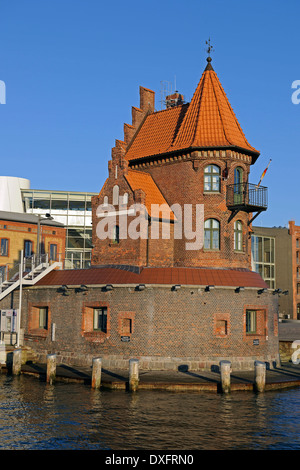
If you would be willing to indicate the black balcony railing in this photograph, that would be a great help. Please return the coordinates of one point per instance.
(247, 197)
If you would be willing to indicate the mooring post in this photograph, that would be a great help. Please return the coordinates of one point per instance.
(96, 372)
(51, 368)
(17, 361)
(133, 374)
(225, 368)
(260, 376)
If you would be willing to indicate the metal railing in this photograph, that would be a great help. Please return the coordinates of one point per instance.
(247, 194)
(10, 271)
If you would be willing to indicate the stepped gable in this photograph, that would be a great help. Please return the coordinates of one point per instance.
(208, 121)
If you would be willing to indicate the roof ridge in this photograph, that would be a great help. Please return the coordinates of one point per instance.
(171, 108)
(219, 111)
(232, 113)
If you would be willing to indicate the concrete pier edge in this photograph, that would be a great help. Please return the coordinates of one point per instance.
(285, 376)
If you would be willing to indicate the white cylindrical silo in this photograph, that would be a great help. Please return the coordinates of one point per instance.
(10, 193)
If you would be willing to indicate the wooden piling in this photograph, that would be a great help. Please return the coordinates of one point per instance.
(17, 361)
(133, 375)
(260, 376)
(225, 369)
(96, 372)
(51, 368)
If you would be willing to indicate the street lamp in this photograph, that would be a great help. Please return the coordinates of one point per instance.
(38, 246)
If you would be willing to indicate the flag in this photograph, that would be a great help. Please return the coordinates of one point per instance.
(263, 174)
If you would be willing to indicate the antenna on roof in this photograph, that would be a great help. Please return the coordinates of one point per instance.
(165, 90)
(170, 99)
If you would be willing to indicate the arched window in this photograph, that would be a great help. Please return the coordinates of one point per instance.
(212, 178)
(116, 234)
(212, 234)
(116, 195)
(238, 175)
(105, 201)
(238, 185)
(238, 235)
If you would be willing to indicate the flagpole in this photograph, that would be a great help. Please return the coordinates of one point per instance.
(263, 174)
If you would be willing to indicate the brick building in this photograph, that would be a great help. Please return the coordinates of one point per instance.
(19, 232)
(171, 280)
(276, 257)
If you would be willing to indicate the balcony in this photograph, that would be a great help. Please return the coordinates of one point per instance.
(246, 197)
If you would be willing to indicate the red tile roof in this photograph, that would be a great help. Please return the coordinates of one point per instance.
(144, 181)
(157, 133)
(208, 121)
(168, 276)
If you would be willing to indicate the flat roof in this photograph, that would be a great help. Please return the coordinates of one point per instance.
(162, 276)
(57, 191)
(27, 218)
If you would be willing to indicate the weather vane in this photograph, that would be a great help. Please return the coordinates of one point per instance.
(210, 47)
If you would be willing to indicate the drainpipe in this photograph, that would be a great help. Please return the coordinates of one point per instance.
(20, 298)
(147, 253)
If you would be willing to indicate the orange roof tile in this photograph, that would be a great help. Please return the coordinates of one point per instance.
(157, 133)
(207, 121)
(144, 181)
(210, 120)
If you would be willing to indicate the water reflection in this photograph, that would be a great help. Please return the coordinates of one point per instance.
(34, 415)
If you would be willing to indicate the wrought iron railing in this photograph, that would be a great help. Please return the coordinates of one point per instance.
(247, 195)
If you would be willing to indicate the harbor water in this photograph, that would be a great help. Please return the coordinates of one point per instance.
(37, 416)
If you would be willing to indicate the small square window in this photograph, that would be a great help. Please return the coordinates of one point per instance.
(221, 327)
(251, 321)
(43, 318)
(126, 326)
(100, 319)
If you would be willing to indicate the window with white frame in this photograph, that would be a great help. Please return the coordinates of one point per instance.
(212, 234)
(238, 235)
(212, 178)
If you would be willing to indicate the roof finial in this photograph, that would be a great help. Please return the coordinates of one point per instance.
(209, 50)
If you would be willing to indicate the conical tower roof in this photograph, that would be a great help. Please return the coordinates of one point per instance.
(210, 120)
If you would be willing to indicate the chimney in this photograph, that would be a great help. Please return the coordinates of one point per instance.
(176, 99)
(147, 100)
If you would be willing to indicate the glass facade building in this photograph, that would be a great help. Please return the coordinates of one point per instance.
(73, 209)
(263, 258)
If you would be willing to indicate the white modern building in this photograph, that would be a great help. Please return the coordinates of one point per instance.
(71, 208)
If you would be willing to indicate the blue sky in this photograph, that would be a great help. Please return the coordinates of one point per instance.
(72, 70)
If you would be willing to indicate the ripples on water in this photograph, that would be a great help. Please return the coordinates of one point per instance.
(38, 416)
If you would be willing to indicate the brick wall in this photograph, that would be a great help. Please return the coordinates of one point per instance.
(166, 328)
(181, 181)
(294, 231)
(17, 233)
